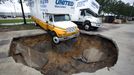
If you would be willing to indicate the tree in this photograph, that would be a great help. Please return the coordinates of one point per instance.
(116, 7)
(105, 5)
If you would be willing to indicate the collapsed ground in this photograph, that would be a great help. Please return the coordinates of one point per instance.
(87, 53)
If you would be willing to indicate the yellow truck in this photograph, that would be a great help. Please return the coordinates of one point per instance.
(53, 16)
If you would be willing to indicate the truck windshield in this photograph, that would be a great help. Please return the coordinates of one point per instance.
(90, 13)
(61, 17)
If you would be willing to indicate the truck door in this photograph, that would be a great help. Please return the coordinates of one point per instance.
(50, 22)
(82, 15)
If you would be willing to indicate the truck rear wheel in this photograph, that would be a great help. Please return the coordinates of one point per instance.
(36, 24)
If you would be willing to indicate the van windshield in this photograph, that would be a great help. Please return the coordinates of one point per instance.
(94, 14)
(61, 17)
(87, 12)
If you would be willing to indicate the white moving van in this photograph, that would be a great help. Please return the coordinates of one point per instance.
(85, 14)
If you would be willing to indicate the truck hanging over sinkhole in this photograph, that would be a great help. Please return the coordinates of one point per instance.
(53, 16)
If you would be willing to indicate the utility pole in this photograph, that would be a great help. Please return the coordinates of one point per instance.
(23, 12)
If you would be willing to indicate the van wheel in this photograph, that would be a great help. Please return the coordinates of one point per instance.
(87, 26)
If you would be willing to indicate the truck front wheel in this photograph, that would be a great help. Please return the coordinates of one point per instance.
(55, 39)
(87, 26)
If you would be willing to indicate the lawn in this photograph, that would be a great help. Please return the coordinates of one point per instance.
(14, 20)
(4, 28)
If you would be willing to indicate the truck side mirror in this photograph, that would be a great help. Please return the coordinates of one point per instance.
(51, 19)
(46, 21)
(82, 13)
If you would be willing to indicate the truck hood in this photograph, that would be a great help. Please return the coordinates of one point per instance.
(93, 19)
(65, 24)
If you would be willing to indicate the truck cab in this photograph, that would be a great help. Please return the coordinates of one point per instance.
(61, 28)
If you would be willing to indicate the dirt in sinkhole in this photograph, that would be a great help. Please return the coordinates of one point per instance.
(87, 53)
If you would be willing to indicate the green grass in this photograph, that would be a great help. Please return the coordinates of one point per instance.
(4, 28)
(14, 20)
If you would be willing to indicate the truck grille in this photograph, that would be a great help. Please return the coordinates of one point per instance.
(71, 29)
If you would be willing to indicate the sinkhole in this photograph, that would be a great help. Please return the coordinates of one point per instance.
(87, 53)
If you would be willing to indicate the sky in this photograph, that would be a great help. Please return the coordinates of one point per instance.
(10, 7)
(13, 7)
(128, 1)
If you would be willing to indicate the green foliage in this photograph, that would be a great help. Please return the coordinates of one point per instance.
(116, 7)
(4, 28)
(14, 20)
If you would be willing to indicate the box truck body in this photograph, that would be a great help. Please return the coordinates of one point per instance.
(53, 16)
(85, 14)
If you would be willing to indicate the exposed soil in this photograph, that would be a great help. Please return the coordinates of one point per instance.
(87, 53)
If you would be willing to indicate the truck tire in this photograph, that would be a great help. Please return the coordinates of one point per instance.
(36, 24)
(55, 38)
(87, 26)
